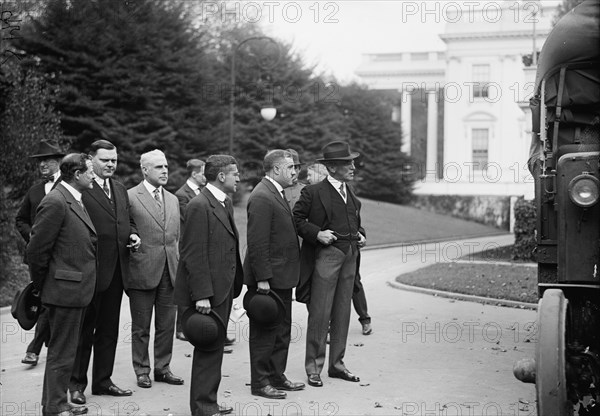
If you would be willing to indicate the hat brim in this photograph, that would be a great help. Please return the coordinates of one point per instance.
(219, 341)
(250, 303)
(353, 155)
(26, 307)
(56, 155)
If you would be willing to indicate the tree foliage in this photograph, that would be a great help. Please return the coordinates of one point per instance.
(149, 74)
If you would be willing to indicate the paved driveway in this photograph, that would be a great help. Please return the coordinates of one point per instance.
(427, 356)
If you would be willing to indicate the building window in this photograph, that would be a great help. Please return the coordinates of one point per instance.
(481, 79)
(419, 56)
(480, 139)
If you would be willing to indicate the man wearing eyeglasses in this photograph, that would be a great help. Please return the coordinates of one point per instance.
(327, 217)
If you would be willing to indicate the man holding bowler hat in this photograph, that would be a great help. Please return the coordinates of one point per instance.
(327, 217)
(272, 264)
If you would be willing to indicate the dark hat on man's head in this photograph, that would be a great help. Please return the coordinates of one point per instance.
(46, 149)
(206, 332)
(338, 150)
(26, 307)
(295, 157)
(267, 309)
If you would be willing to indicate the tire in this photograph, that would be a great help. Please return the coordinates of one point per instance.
(551, 381)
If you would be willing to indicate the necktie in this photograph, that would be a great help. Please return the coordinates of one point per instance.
(342, 191)
(49, 178)
(106, 188)
(159, 203)
(283, 195)
(83, 207)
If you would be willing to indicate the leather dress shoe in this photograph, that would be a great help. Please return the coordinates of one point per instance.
(30, 358)
(77, 397)
(315, 380)
(79, 410)
(289, 386)
(112, 390)
(144, 381)
(227, 350)
(269, 392)
(179, 335)
(168, 378)
(224, 410)
(366, 329)
(74, 411)
(345, 375)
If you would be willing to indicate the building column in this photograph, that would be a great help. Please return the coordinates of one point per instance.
(405, 119)
(432, 130)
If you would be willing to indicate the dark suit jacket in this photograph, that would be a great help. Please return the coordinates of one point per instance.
(273, 249)
(160, 242)
(113, 228)
(312, 213)
(210, 262)
(184, 195)
(62, 251)
(26, 215)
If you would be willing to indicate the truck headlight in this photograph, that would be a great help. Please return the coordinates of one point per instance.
(584, 190)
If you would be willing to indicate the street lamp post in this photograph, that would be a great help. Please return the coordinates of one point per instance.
(268, 113)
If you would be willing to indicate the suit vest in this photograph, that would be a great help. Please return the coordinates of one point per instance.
(344, 220)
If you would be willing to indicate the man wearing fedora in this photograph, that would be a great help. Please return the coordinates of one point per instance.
(108, 206)
(210, 273)
(292, 193)
(62, 264)
(48, 157)
(327, 217)
(272, 263)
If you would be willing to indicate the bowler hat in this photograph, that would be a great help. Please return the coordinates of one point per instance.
(267, 309)
(295, 157)
(338, 150)
(26, 307)
(46, 149)
(206, 332)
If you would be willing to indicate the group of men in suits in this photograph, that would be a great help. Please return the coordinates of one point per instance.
(85, 248)
(108, 240)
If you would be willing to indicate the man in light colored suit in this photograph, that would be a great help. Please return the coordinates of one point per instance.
(272, 263)
(210, 272)
(62, 264)
(153, 269)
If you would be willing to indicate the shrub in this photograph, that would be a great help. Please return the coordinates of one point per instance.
(525, 229)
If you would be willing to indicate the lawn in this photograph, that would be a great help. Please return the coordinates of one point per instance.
(480, 274)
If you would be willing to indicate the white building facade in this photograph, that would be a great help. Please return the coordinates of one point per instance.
(464, 110)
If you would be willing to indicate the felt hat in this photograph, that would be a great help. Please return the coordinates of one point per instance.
(338, 150)
(295, 157)
(206, 332)
(267, 309)
(46, 149)
(26, 307)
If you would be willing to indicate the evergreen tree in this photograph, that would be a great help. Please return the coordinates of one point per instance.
(131, 72)
(564, 8)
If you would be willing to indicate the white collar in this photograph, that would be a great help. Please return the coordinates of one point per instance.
(100, 181)
(151, 187)
(336, 184)
(217, 193)
(192, 185)
(274, 182)
(76, 194)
